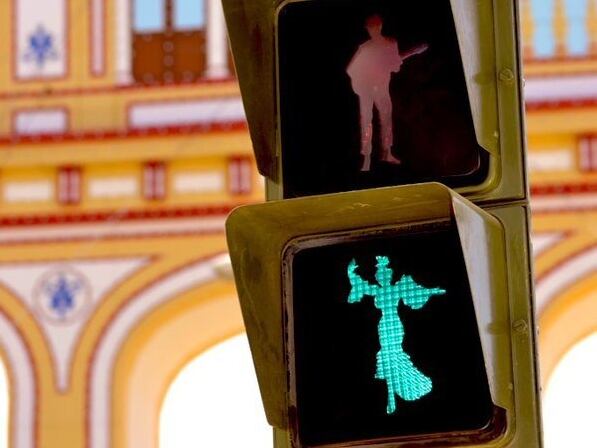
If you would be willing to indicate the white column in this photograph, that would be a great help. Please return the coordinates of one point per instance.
(123, 43)
(217, 41)
(98, 28)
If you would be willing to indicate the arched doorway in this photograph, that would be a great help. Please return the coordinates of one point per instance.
(214, 402)
(159, 349)
(568, 354)
(4, 406)
(569, 399)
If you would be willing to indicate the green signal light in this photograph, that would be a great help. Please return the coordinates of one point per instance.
(393, 364)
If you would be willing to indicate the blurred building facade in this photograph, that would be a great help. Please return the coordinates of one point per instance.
(560, 48)
(123, 146)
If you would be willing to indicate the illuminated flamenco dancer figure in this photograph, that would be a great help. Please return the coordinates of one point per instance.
(393, 364)
(370, 71)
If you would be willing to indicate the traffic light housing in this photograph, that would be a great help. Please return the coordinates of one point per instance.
(312, 276)
(457, 110)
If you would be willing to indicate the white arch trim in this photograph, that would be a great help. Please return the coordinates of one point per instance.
(104, 360)
(544, 241)
(22, 386)
(556, 281)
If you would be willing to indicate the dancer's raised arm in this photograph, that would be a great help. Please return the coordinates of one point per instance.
(360, 287)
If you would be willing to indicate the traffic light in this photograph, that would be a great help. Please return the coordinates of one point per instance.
(389, 317)
(344, 95)
(386, 289)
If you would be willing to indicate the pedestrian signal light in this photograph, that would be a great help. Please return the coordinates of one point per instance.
(354, 94)
(384, 318)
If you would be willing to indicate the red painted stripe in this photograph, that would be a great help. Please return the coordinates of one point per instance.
(116, 216)
(540, 190)
(558, 59)
(561, 104)
(43, 93)
(169, 131)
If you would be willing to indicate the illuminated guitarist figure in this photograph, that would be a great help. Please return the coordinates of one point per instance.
(393, 364)
(370, 71)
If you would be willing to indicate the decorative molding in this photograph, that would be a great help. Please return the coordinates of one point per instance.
(564, 198)
(107, 230)
(544, 241)
(30, 221)
(9, 142)
(115, 89)
(564, 275)
(185, 112)
(563, 188)
(62, 296)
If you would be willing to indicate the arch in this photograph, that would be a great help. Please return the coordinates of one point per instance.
(556, 281)
(210, 314)
(567, 319)
(22, 388)
(569, 398)
(214, 392)
(4, 405)
(104, 387)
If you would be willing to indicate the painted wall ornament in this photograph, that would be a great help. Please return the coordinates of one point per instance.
(41, 47)
(62, 295)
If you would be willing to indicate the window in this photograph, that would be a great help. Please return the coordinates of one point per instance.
(569, 411)
(544, 44)
(188, 14)
(149, 15)
(154, 180)
(214, 402)
(69, 185)
(168, 40)
(240, 175)
(587, 153)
